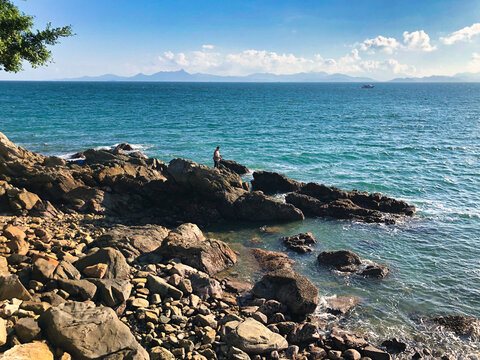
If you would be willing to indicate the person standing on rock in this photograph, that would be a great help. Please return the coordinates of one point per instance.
(216, 157)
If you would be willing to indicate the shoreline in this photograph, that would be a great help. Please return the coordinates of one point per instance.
(112, 181)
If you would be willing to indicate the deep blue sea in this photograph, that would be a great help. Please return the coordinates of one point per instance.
(417, 142)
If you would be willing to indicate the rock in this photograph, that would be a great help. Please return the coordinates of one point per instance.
(65, 270)
(205, 320)
(95, 271)
(187, 243)
(341, 304)
(17, 243)
(157, 285)
(160, 353)
(271, 182)
(344, 340)
(290, 288)
(374, 353)
(272, 307)
(35, 350)
(79, 289)
(133, 241)
(351, 354)
(459, 324)
(124, 147)
(88, 332)
(4, 266)
(375, 271)
(117, 265)
(27, 329)
(394, 346)
(3, 332)
(340, 259)
(234, 166)
(139, 303)
(335, 355)
(43, 269)
(306, 333)
(300, 243)
(205, 286)
(252, 337)
(113, 292)
(237, 354)
(255, 206)
(271, 260)
(27, 200)
(11, 287)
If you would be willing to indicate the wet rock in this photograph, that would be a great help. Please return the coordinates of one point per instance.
(89, 332)
(11, 287)
(234, 166)
(341, 304)
(375, 271)
(27, 329)
(112, 292)
(36, 350)
(300, 242)
(133, 241)
(117, 265)
(459, 324)
(252, 337)
(271, 260)
(290, 288)
(187, 243)
(340, 259)
(272, 182)
(394, 346)
(78, 289)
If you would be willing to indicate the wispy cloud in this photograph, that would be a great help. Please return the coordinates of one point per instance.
(207, 47)
(464, 34)
(474, 64)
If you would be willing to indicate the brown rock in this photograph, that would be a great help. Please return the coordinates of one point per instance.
(36, 350)
(95, 271)
(11, 287)
(271, 260)
(17, 243)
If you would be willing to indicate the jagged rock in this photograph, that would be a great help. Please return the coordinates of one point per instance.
(305, 333)
(36, 350)
(290, 288)
(133, 241)
(157, 285)
(272, 182)
(348, 261)
(300, 242)
(65, 270)
(113, 292)
(11, 287)
(271, 260)
(255, 206)
(187, 243)
(344, 340)
(124, 147)
(394, 346)
(459, 324)
(79, 289)
(234, 166)
(117, 265)
(375, 271)
(27, 329)
(43, 269)
(252, 337)
(88, 332)
(341, 304)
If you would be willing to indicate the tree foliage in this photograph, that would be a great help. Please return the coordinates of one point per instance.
(19, 41)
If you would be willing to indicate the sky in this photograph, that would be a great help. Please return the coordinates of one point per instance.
(378, 39)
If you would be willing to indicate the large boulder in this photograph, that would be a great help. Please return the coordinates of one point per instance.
(188, 243)
(88, 332)
(255, 206)
(291, 289)
(117, 265)
(272, 182)
(252, 337)
(234, 166)
(132, 241)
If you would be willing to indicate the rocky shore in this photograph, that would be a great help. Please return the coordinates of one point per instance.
(104, 258)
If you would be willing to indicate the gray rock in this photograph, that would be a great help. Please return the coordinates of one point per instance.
(87, 332)
(112, 292)
(117, 265)
(65, 270)
(42, 269)
(157, 285)
(11, 287)
(252, 337)
(341, 304)
(205, 286)
(27, 329)
(78, 289)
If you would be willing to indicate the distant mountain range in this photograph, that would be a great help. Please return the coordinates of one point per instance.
(183, 76)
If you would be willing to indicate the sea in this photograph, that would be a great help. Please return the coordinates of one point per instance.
(416, 142)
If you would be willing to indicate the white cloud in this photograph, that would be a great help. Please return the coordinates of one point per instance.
(208, 47)
(474, 64)
(464, 34)
(417, 40)
(397, 68)
(388, 45)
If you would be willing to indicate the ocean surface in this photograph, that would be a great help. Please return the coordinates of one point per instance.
(417, 142)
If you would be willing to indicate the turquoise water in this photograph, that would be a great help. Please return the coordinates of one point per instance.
(417, 142)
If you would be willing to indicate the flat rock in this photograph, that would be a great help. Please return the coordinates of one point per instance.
(291, 289)
(459, 324)
(157, 285)
(88, 332)
(253, 337)
(78, 289)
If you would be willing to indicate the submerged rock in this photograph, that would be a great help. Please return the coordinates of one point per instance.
(300, 242)
(459, 324)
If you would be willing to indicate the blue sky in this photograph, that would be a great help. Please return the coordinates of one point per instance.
(380, 39)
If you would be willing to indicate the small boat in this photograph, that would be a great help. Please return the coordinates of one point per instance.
(367, 86)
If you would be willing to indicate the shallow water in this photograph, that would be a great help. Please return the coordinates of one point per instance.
(417, 142)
